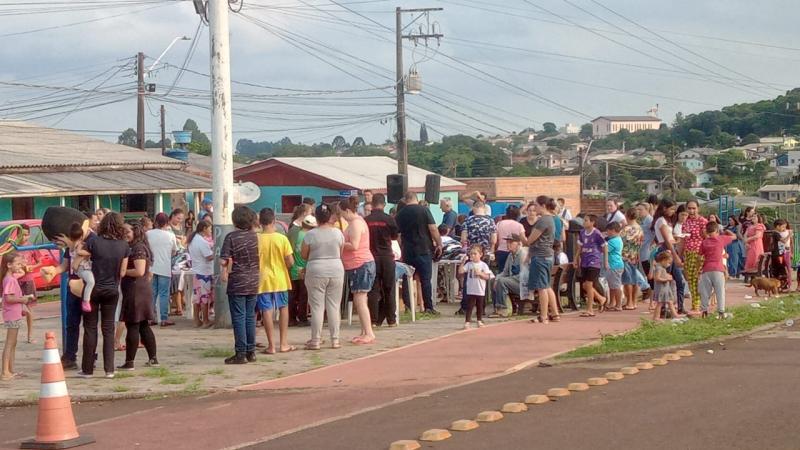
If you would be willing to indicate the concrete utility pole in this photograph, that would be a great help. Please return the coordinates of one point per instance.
(221, 143)
(607, 179)
(402, 143)
(163, 132)
(140, 100)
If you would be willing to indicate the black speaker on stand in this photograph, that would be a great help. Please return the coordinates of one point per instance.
(433, 184)
(396, 187)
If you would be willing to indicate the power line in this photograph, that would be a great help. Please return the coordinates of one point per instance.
(82, 22)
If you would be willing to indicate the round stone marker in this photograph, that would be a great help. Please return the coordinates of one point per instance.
(514, 407)
(536, 399)
(557, 392)
(659, 361)
(464, 425)
(684, 353)
(405, 444)
(644, 366)
(629, 370)
(489, 416)
(578, 387)
(434, 435)
(597, 381)
(672, 357)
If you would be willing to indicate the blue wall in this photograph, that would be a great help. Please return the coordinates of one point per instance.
(40, 204)
(271, 195)
(498, 208)
(5, 209)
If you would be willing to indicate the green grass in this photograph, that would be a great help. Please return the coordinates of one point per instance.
(48, 298)
(405, 316)
(120, 388)
(217, 371)
(120, 374)
(315, 360)
(192, 388)
(216, 352)
(173, 379)
(157, 372)
(651, 335)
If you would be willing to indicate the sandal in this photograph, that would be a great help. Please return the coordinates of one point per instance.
(121, 348)
(555, 319)
(267, 351)
(311, 346)
(335, 344)
(363, 340)
(290, 348)
(586, 314)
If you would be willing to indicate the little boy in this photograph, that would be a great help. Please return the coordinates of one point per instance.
(239, 255)
(592, 253)
(614, 266)
(712, 276)
(276, 256)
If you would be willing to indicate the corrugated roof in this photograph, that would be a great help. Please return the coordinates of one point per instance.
(101, 182)
(780, 188)
(630, 118)
(360, 172)
(27, 146)
(196, 160)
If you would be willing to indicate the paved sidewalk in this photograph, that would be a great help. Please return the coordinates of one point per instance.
(275, 407)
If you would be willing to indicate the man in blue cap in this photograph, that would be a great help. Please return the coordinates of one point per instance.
(207, 209)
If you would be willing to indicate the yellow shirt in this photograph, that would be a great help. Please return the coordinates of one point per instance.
(274, 275)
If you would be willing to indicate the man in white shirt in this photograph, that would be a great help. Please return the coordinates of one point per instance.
(164, 246)
(564, 212)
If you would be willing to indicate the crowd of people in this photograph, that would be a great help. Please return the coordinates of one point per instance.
(127, 277)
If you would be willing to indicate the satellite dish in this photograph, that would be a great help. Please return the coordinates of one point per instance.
(246, 192)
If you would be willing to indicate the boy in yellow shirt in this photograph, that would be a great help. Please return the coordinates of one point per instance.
(275, 257)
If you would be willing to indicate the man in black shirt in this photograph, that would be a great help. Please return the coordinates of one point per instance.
(419, 241)
(382, 230)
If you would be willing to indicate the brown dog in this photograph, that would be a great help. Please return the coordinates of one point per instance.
(768, 285)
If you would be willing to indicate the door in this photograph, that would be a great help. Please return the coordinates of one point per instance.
(290, 202)
(22, 208)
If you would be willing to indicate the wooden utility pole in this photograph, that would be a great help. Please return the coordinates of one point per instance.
(163, 132)
(140, 100)
(402, 143)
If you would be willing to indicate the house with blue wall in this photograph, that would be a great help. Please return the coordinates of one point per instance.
(42, 167)
(285, 181)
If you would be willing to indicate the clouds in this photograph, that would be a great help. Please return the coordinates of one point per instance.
(284, 61)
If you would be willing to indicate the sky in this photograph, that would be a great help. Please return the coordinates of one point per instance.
(315, 69)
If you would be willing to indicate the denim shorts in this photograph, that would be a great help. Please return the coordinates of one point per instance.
(629, 274)
(539, 273)
(362, 278)
(613, 278)
(272, 300)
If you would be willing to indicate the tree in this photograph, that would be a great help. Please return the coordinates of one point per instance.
(128, 137)
(423, 133)
(586, 131)
(751, 138)
(200, 142)
(153, 144)
(339, 143)
(550, 127)
(359, 142)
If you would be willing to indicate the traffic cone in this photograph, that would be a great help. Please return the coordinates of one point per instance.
(56, 425)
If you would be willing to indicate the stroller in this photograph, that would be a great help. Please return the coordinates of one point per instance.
(771, 264)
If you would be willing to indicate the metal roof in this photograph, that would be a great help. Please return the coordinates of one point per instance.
(359, 172)
(629, 118)
(27, 146)
(100, 182)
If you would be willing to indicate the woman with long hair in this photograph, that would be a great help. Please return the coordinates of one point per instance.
(201, 252)
(664, 220)
(735, 249)
(360, 266)
(110, 253)
(188, 223)
(542, 257)
(137, 298)
(754, 245)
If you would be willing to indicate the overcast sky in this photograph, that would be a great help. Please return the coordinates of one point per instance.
(502, 65)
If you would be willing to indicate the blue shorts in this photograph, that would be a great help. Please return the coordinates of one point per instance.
(539, 273)
(272, 300)
(629, 274)
(613, 278)
(362, 278)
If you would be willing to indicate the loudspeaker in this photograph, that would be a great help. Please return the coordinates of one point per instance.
(433, 183)
(396, 187)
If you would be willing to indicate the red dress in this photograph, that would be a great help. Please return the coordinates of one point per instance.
(755, 248)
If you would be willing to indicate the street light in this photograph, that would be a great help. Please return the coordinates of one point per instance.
(179, 38)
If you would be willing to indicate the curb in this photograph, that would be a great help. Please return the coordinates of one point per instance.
(606, 356)
(89, 398)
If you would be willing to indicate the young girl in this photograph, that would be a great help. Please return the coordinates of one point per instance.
(785, 249)
(477, 273)
(13, 301)
(82, 266)
(665, 290)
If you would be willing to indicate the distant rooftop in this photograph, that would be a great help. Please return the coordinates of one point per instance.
(629, 118)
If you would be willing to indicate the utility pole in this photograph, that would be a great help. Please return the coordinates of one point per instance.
(606, 179)
(140, 100)
(163, 132)
(583, 155)
(402, 143)
(674, 175)
(221, 143)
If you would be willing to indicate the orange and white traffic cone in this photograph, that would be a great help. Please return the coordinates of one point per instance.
(56, 425)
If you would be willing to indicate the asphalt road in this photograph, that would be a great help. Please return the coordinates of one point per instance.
(746, 395)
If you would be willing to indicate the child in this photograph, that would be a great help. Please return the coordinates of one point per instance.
(592, 252)
(276, 256)
(785, 249)
(665, 289)
(239, 261)
(477, 273)
(13, 301)
(82, 267)
(712, 276)
(614, 266)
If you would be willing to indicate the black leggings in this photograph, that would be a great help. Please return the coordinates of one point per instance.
(473, 301)
(135, 330)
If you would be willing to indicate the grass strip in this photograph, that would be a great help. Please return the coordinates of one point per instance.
(651, 335)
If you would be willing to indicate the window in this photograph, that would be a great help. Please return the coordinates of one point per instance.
(289, 202)
(22, 208)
